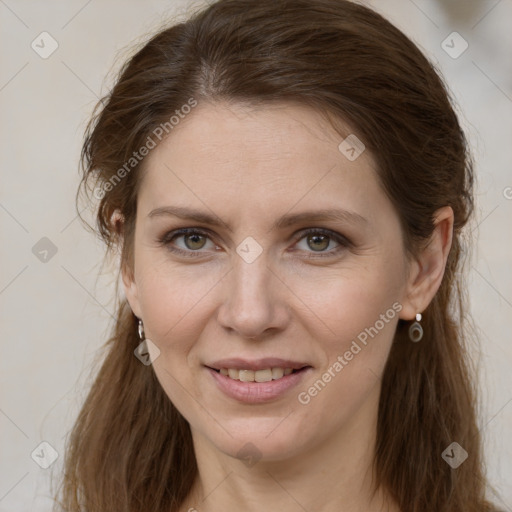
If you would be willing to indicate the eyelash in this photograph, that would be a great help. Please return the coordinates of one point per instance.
(167, 238)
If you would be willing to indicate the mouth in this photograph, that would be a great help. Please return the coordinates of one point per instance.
(264, 385)
(263, 375)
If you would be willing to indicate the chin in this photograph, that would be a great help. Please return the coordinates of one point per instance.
(258, 444)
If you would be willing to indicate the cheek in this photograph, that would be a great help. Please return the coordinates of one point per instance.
(344, 302)
(361, 311)
(172, 299)
(358, 313)
(345, 390)
(176, 306)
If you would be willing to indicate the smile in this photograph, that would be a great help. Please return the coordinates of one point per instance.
(257, 386)
(256, 375)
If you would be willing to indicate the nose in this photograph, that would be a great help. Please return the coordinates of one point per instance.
(254, 302)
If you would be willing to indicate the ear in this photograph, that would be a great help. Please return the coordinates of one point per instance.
(127, 273)
(427, 269)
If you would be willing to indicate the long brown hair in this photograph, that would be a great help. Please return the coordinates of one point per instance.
(130, 449)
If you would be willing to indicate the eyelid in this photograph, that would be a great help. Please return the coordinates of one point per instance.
(168, 237)
(338, 237)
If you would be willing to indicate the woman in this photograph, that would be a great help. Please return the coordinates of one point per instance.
(288, 184)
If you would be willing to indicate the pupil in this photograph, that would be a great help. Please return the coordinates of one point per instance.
(195, 238)
(322, 238)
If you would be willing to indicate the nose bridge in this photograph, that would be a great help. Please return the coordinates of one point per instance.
(251, 303)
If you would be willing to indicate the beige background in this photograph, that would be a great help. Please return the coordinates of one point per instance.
(56, 314)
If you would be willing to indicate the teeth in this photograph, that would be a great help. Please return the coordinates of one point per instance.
(256, 375)
(277, 373)
(262, 375)
(246, 375)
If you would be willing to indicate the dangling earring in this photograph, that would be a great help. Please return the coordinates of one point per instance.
(141, 330)
(415, 330)
(146, 351)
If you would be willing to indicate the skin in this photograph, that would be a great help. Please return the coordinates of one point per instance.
(248, 166)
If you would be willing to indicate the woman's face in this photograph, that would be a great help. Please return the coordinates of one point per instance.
(259, 278)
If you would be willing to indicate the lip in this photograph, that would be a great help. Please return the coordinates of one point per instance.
(256, 364)
(257, 392)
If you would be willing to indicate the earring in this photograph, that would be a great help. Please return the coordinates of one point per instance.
(415, 330)
(141, 330)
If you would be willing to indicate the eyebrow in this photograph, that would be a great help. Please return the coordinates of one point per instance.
(285, 221)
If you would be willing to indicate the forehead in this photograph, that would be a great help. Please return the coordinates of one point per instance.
(253, 134)
(260, 160)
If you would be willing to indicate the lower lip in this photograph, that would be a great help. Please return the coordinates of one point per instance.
(257, 392)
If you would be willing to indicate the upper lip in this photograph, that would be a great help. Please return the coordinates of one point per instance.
(256, 364)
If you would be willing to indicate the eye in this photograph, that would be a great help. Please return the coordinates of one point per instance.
(192, 241)
(316, 240)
